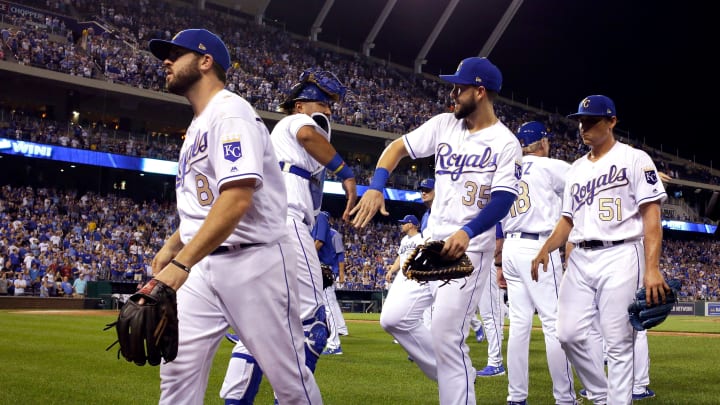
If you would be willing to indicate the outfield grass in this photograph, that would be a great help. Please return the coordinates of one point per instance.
(60, 358)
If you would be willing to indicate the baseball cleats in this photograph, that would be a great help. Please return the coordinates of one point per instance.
(491, 371)
(480, 334)
(337, 350)
(583, 393)
(648, 393)
(232, 338)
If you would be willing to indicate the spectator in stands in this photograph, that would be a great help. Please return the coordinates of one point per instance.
(4, 283)
(20, 284)
(67, 287)
(44, 290)
(79, 286)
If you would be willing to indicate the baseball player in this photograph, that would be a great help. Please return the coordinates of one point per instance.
(611, 215)
(301, 141)
(231, 203)
(492, 318)
(413, 238)
(408, 243)
(529, 223)
(323, 236)
(427, 194)
(477, 169)
(641, 361)
(476, 322)
(338, 268)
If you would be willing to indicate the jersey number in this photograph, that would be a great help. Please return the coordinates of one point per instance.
(479, 195)
(609, 209)
(522, 203)
(204, 194)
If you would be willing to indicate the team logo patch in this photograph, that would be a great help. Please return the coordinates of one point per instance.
(518, 170)
(232, 150)
(651, 176)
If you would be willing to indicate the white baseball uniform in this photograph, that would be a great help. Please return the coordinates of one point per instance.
(641, 356)
(492, 318)
(530, 220)
(250, 282)
(607, 264)
(468, 167)
(303, 256)
(333, 306)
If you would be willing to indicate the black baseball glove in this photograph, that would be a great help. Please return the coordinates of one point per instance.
(426, 264)
(644, 316)
(148, 332)
(328, 275)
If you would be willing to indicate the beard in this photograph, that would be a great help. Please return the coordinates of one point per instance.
(184, 79)
(462, 110)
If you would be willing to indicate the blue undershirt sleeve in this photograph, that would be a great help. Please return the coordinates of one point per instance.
(497, 208)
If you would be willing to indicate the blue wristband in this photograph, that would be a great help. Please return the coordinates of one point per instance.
(338, 167)
(335, 163)
(379, 179)
(345, 173)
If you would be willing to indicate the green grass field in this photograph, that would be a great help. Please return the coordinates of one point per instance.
(60, 358)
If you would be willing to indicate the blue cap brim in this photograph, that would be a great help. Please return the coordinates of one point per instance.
(454, 79)
(161, 48)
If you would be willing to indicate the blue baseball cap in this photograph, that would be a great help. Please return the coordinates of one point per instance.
(597, 105)
(201, 41)
(531, 132)
(476, 71)
(427, 183)
(410, 219)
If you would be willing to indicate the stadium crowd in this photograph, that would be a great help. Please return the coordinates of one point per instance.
(49, 237)
(267, 60)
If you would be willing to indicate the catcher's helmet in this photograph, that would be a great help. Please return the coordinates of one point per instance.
(315, 85)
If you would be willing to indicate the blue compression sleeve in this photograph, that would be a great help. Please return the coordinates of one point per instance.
(497, 208)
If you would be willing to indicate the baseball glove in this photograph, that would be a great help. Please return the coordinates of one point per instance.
(425, 264)
(644, 316)
(328, 276)
(148, 332)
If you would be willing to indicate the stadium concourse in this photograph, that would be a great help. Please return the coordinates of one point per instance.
(93, 86)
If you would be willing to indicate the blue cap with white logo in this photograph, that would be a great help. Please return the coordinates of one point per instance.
(476, 71)
(201, 41)
(427, 183)
(410, 219)
(597, 105)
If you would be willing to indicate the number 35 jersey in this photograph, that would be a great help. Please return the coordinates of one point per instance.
(468, 168)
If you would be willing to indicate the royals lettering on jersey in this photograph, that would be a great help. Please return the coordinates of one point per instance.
(198, 148)
(455, 164)
(585, 194)
(406, 249)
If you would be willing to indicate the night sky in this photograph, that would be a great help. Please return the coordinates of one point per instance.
(652, 58)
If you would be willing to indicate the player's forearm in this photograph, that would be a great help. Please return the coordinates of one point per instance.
(388, 161)
(559, 235)
(652, 240)
(221, 221)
